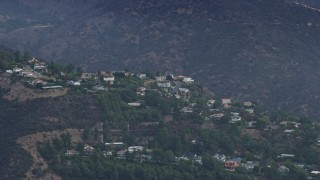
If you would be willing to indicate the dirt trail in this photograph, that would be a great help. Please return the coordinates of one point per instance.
(29, 143)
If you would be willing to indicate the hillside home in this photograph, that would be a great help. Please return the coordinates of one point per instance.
(286, 156)
(271, 127)
(191, 157)
(141, 91)
(231, 165)
(39, 66)
(164, 84)
(74, 83)
(72, 153)
(198, 159)
(235, 113)
(288, 131)
(315, 173)
(109, 79)
(107, 154)
(283, 169)
(52, 87)
(290, 123)
(187, 110)
(226, 103)
(248, 104)
(250, 111)
(114, 144)
(218, 115)
(134, 104)
(184, 90)
(86, 76)
(160, 78)
(26, 74)
(33, 60)
(170, 77)
(251, 124)
(38, 81)
(88, 150)
(235, 117)
(188, 80)
(121, 154)
(210, 102)
(99, 88)
(132, 149)
(249, 165)
(143, 158)
(142, 76)
(17, 70)
(219, 157)
(299, 165)
(179, 78)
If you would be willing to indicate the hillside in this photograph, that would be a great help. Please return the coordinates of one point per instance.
(263, 51)
(125, 125)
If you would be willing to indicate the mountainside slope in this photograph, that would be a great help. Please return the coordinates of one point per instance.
(264, 51)
(125, 125)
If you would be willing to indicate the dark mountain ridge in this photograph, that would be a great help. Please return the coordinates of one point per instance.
(264, 51)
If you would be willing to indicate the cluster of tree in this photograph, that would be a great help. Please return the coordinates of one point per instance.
(10, 59)
(117, 111)
(100, 167)
(70, 70)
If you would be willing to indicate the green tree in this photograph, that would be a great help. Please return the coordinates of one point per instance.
(17, 56)
(70, 68)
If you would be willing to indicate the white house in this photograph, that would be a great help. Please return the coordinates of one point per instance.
(134, 104)
(235, 114)
(188, 80)
(249, 165)
(141, 91)
(288, 131)
(71, 152)
(74, 83)
(132, 149)
(115, 143)
(219, 157)
(160, 78)
(87, 75)
(248, 104)
(109, 79)
(164, 84)
(235, 119)
(315, 172)
(17, 70)
(39, 66)
(184, 90)
(226, 101)
(187, 110)
(210, 102)
(142, 76)
(218, 115)
(286, 156)
(250, 111)
(88, 150)
(9, 71)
